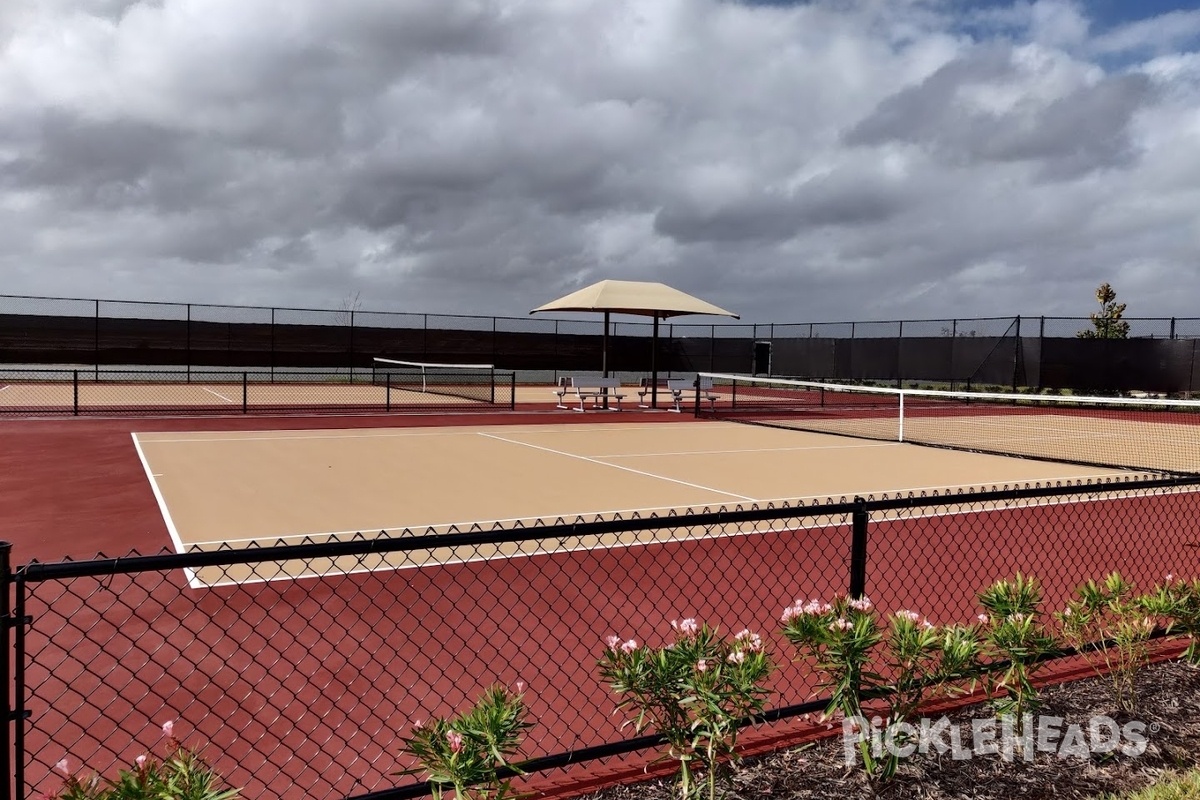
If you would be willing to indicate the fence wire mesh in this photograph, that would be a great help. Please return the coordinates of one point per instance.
(301, 668)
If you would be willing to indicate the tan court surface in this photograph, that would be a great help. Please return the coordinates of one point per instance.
(235, 487)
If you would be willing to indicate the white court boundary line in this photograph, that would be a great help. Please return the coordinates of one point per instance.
(1088, 497)
(593, 460)
(218, 394)
(162, 507)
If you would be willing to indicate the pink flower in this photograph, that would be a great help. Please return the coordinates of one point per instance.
(612, 641)
(862, 604)
(702, 665)
(737, 656)
(140, 761)
(841, 624)
(169, 729)
(64, 767)
(1018, 617)
(418, 724)
(815, 607)
(750, 640)
(456, 741)
(1170, 576)
(688, 627)
(521, 685)
(984, 619)
(910, 616)
(629, 647)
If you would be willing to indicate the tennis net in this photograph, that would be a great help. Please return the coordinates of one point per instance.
(407, 381)
(1157, 435)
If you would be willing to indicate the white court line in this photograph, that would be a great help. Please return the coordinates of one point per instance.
(5, 387)
(617, 466)
(162, 506)
(721, 535)
(218, 394)
(571, 516)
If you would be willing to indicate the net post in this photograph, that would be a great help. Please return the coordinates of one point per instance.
(75, 392)
(858, 549)
(696, 397)
(245, 392)
(492, 371)
(512, 396)
(387, 389)
(900, 437)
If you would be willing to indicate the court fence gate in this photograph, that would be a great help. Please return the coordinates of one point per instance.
(300, 667)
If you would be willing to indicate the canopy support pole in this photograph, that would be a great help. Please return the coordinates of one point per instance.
(654, 366)
(604, 357)
(604, 364)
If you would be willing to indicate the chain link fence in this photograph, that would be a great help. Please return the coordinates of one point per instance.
(1160, 355)
(300, 668)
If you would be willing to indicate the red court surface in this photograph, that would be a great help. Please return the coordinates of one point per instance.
(297, 713)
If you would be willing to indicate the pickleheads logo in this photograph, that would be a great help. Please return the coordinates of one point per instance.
(990, 736)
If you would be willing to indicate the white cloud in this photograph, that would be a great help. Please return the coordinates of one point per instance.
(823, 160)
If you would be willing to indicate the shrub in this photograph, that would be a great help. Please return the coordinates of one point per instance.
(694, 691)
(919, 661)
(1016, 640)
(1179, 603)
(465, 752)
(183, 775)
(1112, 630)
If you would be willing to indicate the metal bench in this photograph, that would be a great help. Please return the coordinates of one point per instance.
(596, 390)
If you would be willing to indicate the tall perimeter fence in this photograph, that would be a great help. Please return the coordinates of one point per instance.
(1161, 355)
(300, 668)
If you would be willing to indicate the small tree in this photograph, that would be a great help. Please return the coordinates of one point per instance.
(1108, 323)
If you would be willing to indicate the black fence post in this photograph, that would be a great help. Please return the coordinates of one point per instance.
(858, 549)
(245, 392)
(1017, 351)
(351, 347)
(20, 620)
(1041, 349)
(6, 626)
(75, 392)
(96, 343)
(187, 351)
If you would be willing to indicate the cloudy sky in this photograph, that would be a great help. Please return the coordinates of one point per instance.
(792, 161)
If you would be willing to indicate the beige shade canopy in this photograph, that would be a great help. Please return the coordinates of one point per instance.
(643, 298)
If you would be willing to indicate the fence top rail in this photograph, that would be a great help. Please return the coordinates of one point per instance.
(349, 311)
(45, 571)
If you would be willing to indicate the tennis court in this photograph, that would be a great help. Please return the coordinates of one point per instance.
(222, 489)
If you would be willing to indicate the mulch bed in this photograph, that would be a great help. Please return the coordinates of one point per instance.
(1168, 704)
